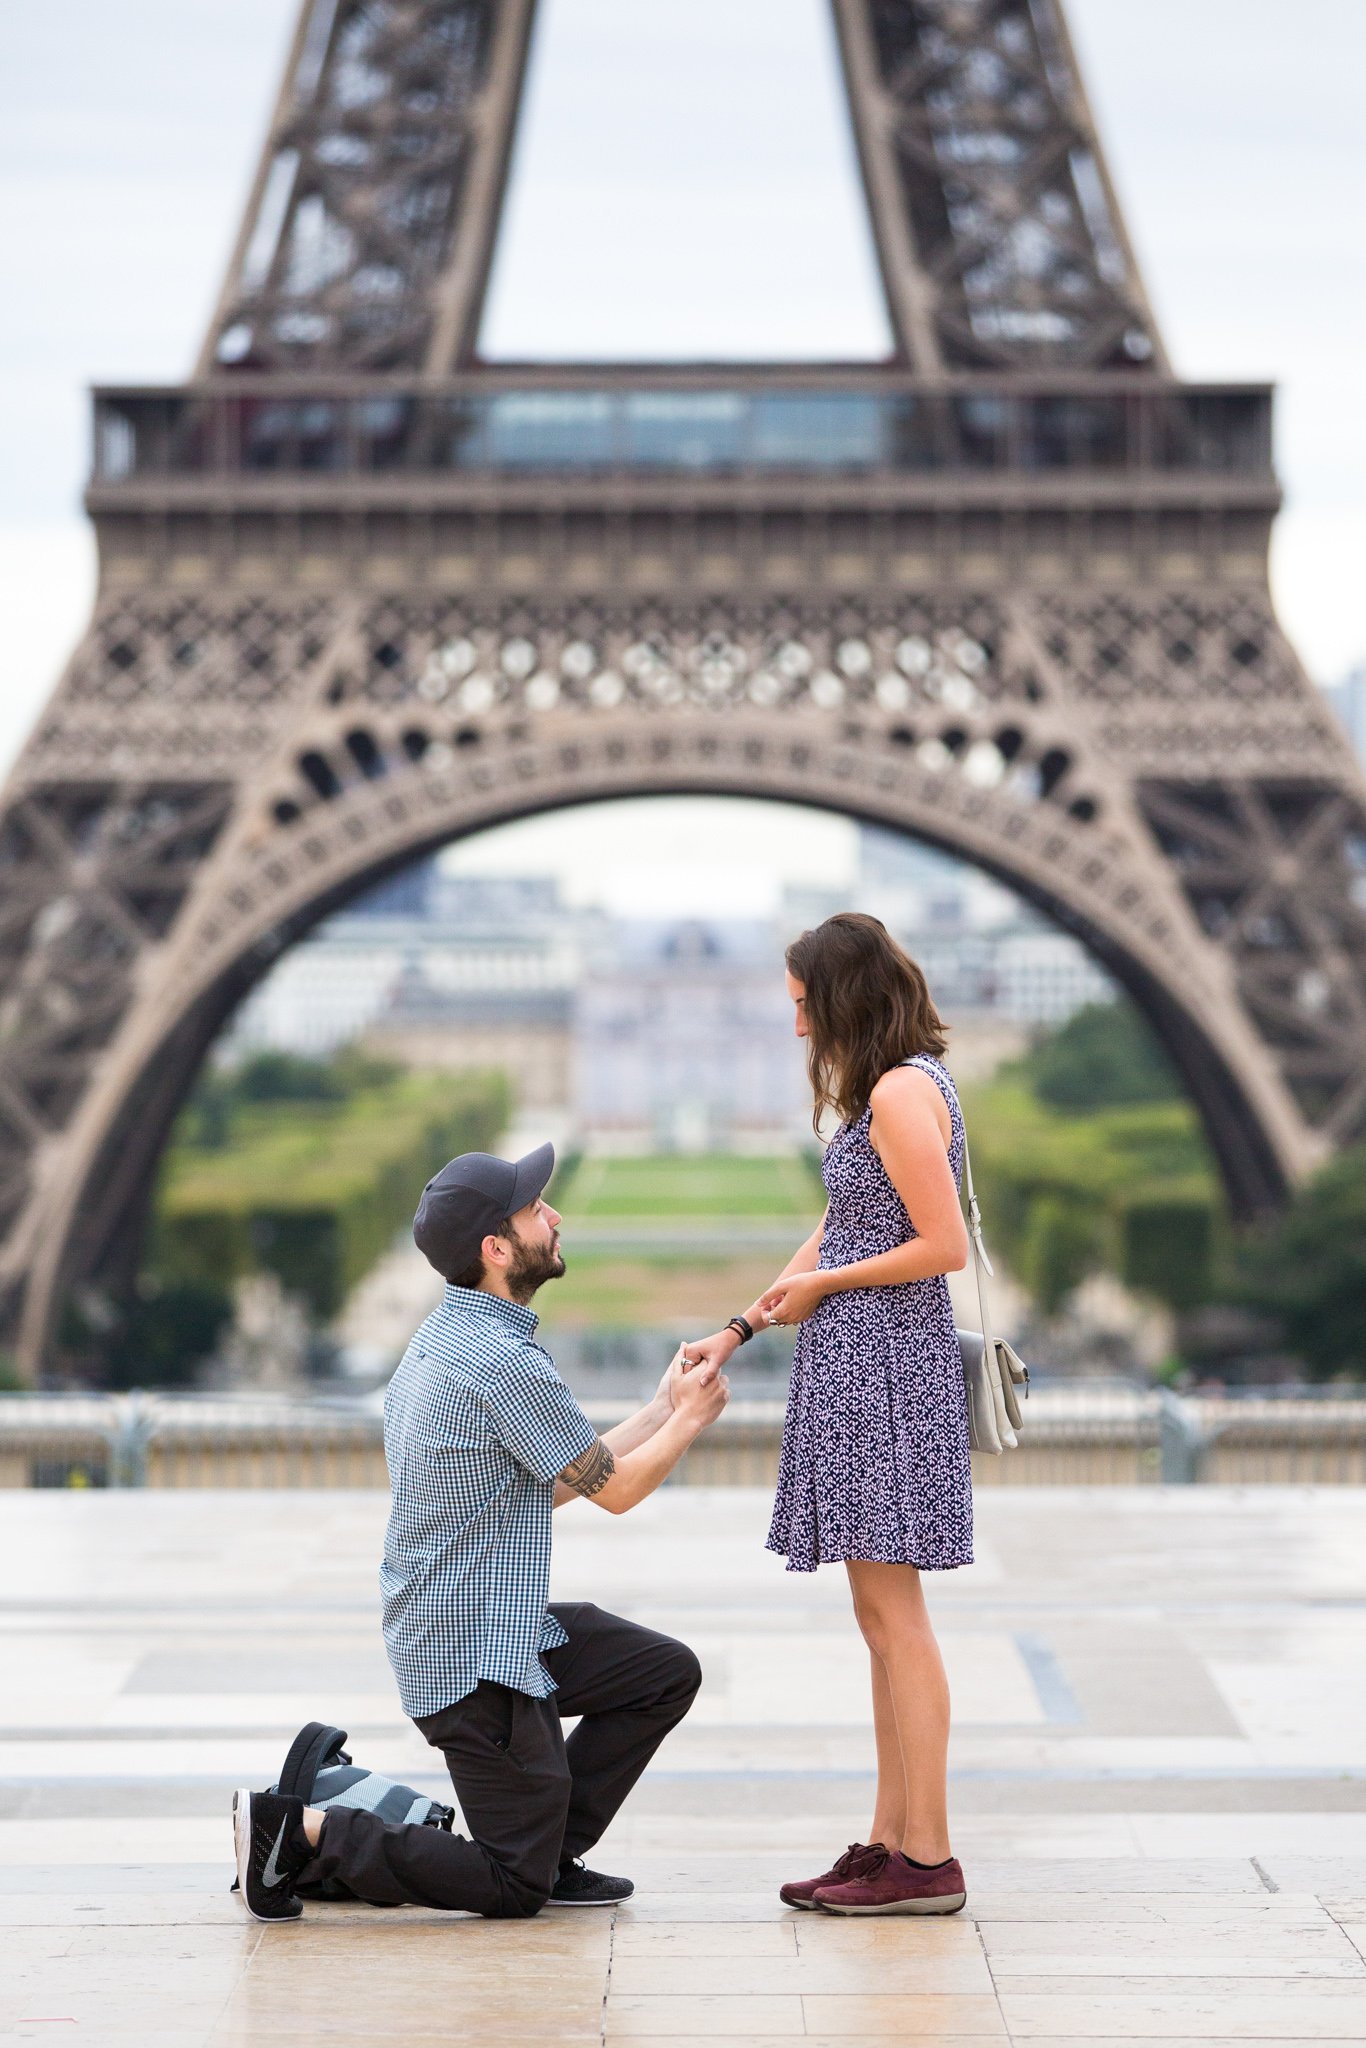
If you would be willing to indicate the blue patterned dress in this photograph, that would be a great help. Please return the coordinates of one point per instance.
(875, 1441)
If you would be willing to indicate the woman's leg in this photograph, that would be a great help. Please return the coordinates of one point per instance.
(889, 1805)
(889, 1603)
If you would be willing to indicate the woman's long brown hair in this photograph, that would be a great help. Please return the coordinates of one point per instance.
(868, 1007)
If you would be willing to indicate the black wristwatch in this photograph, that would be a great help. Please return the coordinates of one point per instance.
(742, 1327)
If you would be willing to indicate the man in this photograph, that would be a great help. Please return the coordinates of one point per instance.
(482, 1439)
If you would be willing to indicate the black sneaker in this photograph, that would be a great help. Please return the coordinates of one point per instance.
(577, 1886)
(263, 1825)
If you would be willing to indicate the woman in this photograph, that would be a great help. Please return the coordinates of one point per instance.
(875, 1470)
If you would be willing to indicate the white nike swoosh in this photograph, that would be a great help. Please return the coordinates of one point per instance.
(272, 1874)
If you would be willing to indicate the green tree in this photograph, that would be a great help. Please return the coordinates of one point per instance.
(1103, 1057)
(1062, 1244)
(1167, 1245)
(1309, 1269)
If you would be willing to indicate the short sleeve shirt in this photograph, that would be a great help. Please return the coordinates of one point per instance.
(478, 1425)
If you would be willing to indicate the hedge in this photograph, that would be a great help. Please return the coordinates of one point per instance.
(316, 1192)
(1130, 1190)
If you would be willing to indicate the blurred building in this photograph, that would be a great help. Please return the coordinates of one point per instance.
(435, 970)
(1348, 699)
(683, 1041)
(987, 956)
(674, 1034)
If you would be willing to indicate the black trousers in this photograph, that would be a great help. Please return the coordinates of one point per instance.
(532, 1801)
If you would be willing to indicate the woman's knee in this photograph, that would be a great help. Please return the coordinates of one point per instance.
(887, 1629)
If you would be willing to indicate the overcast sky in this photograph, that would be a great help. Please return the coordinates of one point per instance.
(684, 184)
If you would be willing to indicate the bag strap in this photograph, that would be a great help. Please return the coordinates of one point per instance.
(315, 1745)
(982, 1265)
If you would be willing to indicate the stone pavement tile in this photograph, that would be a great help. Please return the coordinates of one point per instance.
(909, 2017)
(1177, 1908)
(1298, 1842)
(170, 2031)
(710, 1938)
(1113, 1874)
(374, 2033)
(863, 2040)
(1045, 1973)
(1298, 2016)
(98, 1880)
(828, 1934)
(57, 1908)
(682, 1906)
(706, 2016)
(1013, 1944)
(756, 1975)
(1328, 1875)
(580, 1944)
(147, 1840)
(155, 1945)
(1120, 1982)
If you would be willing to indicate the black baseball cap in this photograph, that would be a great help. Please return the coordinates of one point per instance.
(470, 1197)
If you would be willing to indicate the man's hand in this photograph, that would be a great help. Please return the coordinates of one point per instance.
(793, 1300)
(699, 1400)
(664, 1402)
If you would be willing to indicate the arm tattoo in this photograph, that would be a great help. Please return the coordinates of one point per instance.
(590, 1473)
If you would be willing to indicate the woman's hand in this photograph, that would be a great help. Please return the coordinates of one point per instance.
(794, 1299)
(710, 1354)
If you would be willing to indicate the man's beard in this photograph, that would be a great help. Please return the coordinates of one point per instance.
(531, 1265)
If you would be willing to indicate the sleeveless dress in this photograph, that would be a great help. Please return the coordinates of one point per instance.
(875, 1441)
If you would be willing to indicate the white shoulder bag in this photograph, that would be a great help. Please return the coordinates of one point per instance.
(992, 1369)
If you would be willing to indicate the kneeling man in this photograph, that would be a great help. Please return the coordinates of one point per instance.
(482, 1439)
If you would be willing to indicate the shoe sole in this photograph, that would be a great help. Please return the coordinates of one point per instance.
(951, 1902)
(241, 1836)
(575, 1904)
(801, 1905)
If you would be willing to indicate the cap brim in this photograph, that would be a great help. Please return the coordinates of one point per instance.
(531, 1177)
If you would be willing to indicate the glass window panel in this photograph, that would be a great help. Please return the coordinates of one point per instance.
(810, 430)
(384, 429)
(685, 429)
(1064, 431)
(981, 431)
(550, 430)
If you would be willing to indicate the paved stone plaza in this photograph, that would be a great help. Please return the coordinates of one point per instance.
(1159, 1782)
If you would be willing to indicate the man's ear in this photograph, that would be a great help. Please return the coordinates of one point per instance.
(494, 1251)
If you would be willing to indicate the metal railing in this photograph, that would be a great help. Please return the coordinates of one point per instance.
(1096, 1435)
(884, 424)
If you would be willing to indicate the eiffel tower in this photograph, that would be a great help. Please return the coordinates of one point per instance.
(361, 593)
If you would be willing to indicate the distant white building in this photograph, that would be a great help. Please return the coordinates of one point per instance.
(1348, 699)
(456, 961)
(1044, 977)
(684, 1041)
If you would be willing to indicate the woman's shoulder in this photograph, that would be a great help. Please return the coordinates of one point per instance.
(920, 1078)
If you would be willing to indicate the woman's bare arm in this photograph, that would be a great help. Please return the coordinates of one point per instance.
(910, 1130)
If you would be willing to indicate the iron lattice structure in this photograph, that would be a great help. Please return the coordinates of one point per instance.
(361, 594)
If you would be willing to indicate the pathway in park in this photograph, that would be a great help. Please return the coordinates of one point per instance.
(1159, 1782)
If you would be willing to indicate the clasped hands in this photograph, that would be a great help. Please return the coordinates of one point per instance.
(787, 1301)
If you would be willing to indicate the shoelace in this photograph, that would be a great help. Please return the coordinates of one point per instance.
(845, 1866)
(881, 1855)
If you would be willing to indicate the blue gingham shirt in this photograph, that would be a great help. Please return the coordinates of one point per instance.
(477, 1427)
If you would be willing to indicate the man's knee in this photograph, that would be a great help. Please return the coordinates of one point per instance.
(518, 1900)
(684, 1673)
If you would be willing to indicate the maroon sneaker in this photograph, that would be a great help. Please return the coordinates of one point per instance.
(857, 1859)
(892, 1885)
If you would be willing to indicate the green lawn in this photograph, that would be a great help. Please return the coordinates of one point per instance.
(687, 1184)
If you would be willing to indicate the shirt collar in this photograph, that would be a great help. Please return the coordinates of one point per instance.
(478, 1301)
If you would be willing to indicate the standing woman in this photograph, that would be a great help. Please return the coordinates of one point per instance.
(875, 1471)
